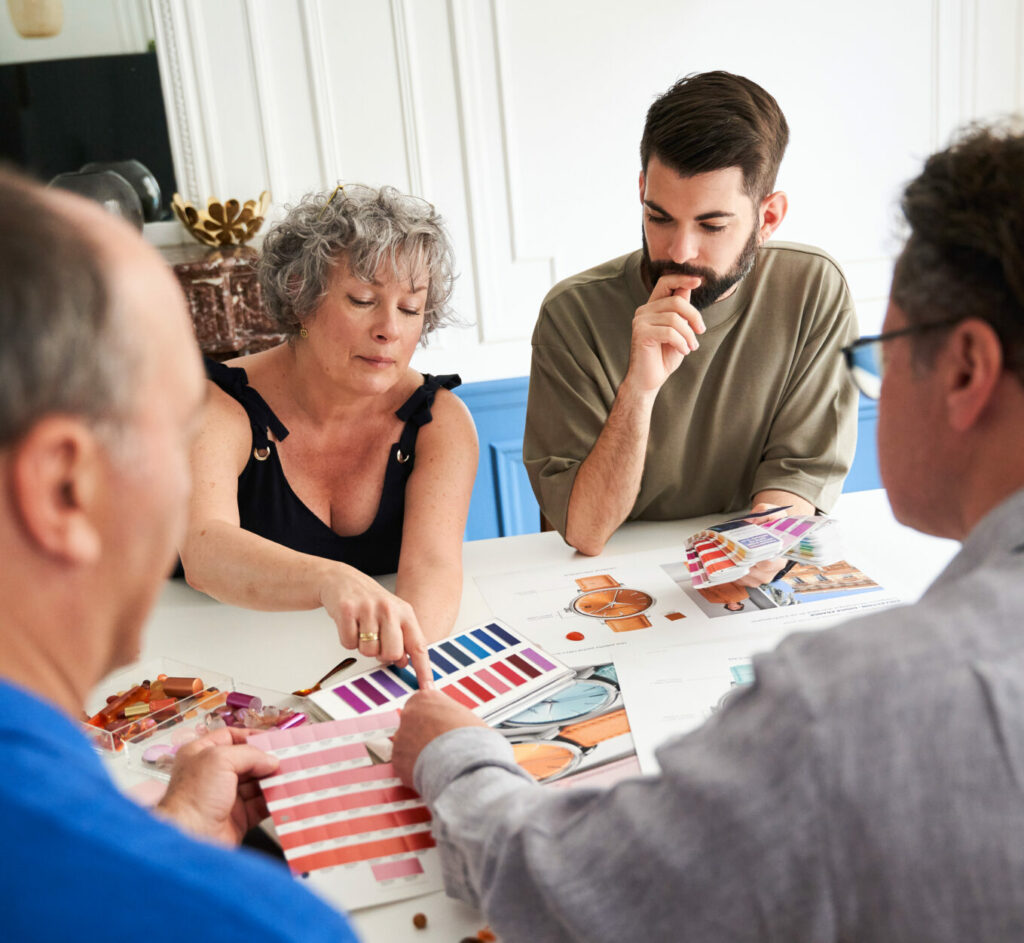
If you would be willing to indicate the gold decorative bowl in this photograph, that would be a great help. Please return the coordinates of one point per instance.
(227, 223)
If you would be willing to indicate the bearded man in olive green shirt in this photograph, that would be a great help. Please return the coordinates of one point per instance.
(700, 374)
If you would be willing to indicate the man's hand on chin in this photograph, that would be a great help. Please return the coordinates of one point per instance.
(426, 715)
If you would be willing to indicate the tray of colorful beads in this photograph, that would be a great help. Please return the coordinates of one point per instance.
(148, 711)
(134, 703)
(245, 706)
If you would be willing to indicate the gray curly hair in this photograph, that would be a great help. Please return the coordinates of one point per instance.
(365, 225)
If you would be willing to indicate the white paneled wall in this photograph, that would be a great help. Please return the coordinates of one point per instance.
(521, 119)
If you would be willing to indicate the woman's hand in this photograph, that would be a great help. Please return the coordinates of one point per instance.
(374, 621)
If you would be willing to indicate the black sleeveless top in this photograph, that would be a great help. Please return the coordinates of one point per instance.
(267, 505)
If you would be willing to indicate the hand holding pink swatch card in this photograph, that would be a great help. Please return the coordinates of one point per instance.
(346, 823)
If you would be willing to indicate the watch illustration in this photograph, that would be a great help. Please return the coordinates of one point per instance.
(547, 760)
(552, 737)
(619, 607)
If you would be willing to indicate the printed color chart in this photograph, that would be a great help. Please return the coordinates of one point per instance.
(347, 825)
(490, 669)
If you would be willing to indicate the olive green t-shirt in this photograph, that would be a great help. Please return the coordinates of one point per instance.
(763, 403)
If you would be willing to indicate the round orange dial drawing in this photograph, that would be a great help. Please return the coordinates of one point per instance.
(612, 603)
(545, 760)
(619, 607)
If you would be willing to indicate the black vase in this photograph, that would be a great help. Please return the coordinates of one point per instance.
(108, 188)
(139, 176)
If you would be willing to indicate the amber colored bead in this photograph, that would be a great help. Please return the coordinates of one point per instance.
(115, 707)
(182, 687)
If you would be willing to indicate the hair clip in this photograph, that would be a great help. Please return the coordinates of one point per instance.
(334, 193)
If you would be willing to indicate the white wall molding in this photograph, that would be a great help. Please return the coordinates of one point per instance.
(179, 80)
(324, 131)
(474, 157)
(258, 57)
(133, 25)
(510, 141)
(1019, 62)
(411, 120)
(969, 60)
(953, 65)
(507, 283)
(209, 124)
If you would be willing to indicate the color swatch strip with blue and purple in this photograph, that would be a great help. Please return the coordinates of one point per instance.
(484, 669)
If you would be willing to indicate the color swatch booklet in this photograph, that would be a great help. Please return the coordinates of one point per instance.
(725, 552)
(490, 669)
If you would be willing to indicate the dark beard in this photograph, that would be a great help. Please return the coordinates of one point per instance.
(712, 285)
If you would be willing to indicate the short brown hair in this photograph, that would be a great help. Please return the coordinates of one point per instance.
(714, 120)
(964, 257)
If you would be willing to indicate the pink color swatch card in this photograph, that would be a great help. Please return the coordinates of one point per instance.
(347, 825)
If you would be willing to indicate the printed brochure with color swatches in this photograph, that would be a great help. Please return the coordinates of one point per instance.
(490, 669)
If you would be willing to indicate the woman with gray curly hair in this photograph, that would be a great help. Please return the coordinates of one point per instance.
(347, 463)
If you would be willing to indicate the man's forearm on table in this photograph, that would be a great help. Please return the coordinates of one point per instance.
(777, 497)
(609, 478)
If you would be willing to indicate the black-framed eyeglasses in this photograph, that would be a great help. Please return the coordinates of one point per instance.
(864, 357)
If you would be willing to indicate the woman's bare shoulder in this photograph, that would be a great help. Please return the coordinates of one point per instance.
(450, 420)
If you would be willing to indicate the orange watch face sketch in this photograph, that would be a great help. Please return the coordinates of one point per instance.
(619, 607)
(544, 760)
(613, 603)
(554, 737)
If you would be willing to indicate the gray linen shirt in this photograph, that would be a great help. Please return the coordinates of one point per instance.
(867, 785)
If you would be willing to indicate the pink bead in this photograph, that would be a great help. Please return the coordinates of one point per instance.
(155, 752)
(214, 722)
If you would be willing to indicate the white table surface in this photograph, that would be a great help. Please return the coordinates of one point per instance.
(288, 650)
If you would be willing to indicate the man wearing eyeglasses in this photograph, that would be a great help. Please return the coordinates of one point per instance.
(697, 374)
(869, 785)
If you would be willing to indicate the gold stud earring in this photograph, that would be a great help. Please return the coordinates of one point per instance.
(303, 332)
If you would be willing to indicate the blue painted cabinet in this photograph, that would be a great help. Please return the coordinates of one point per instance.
(503, 502)
(864, 472)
